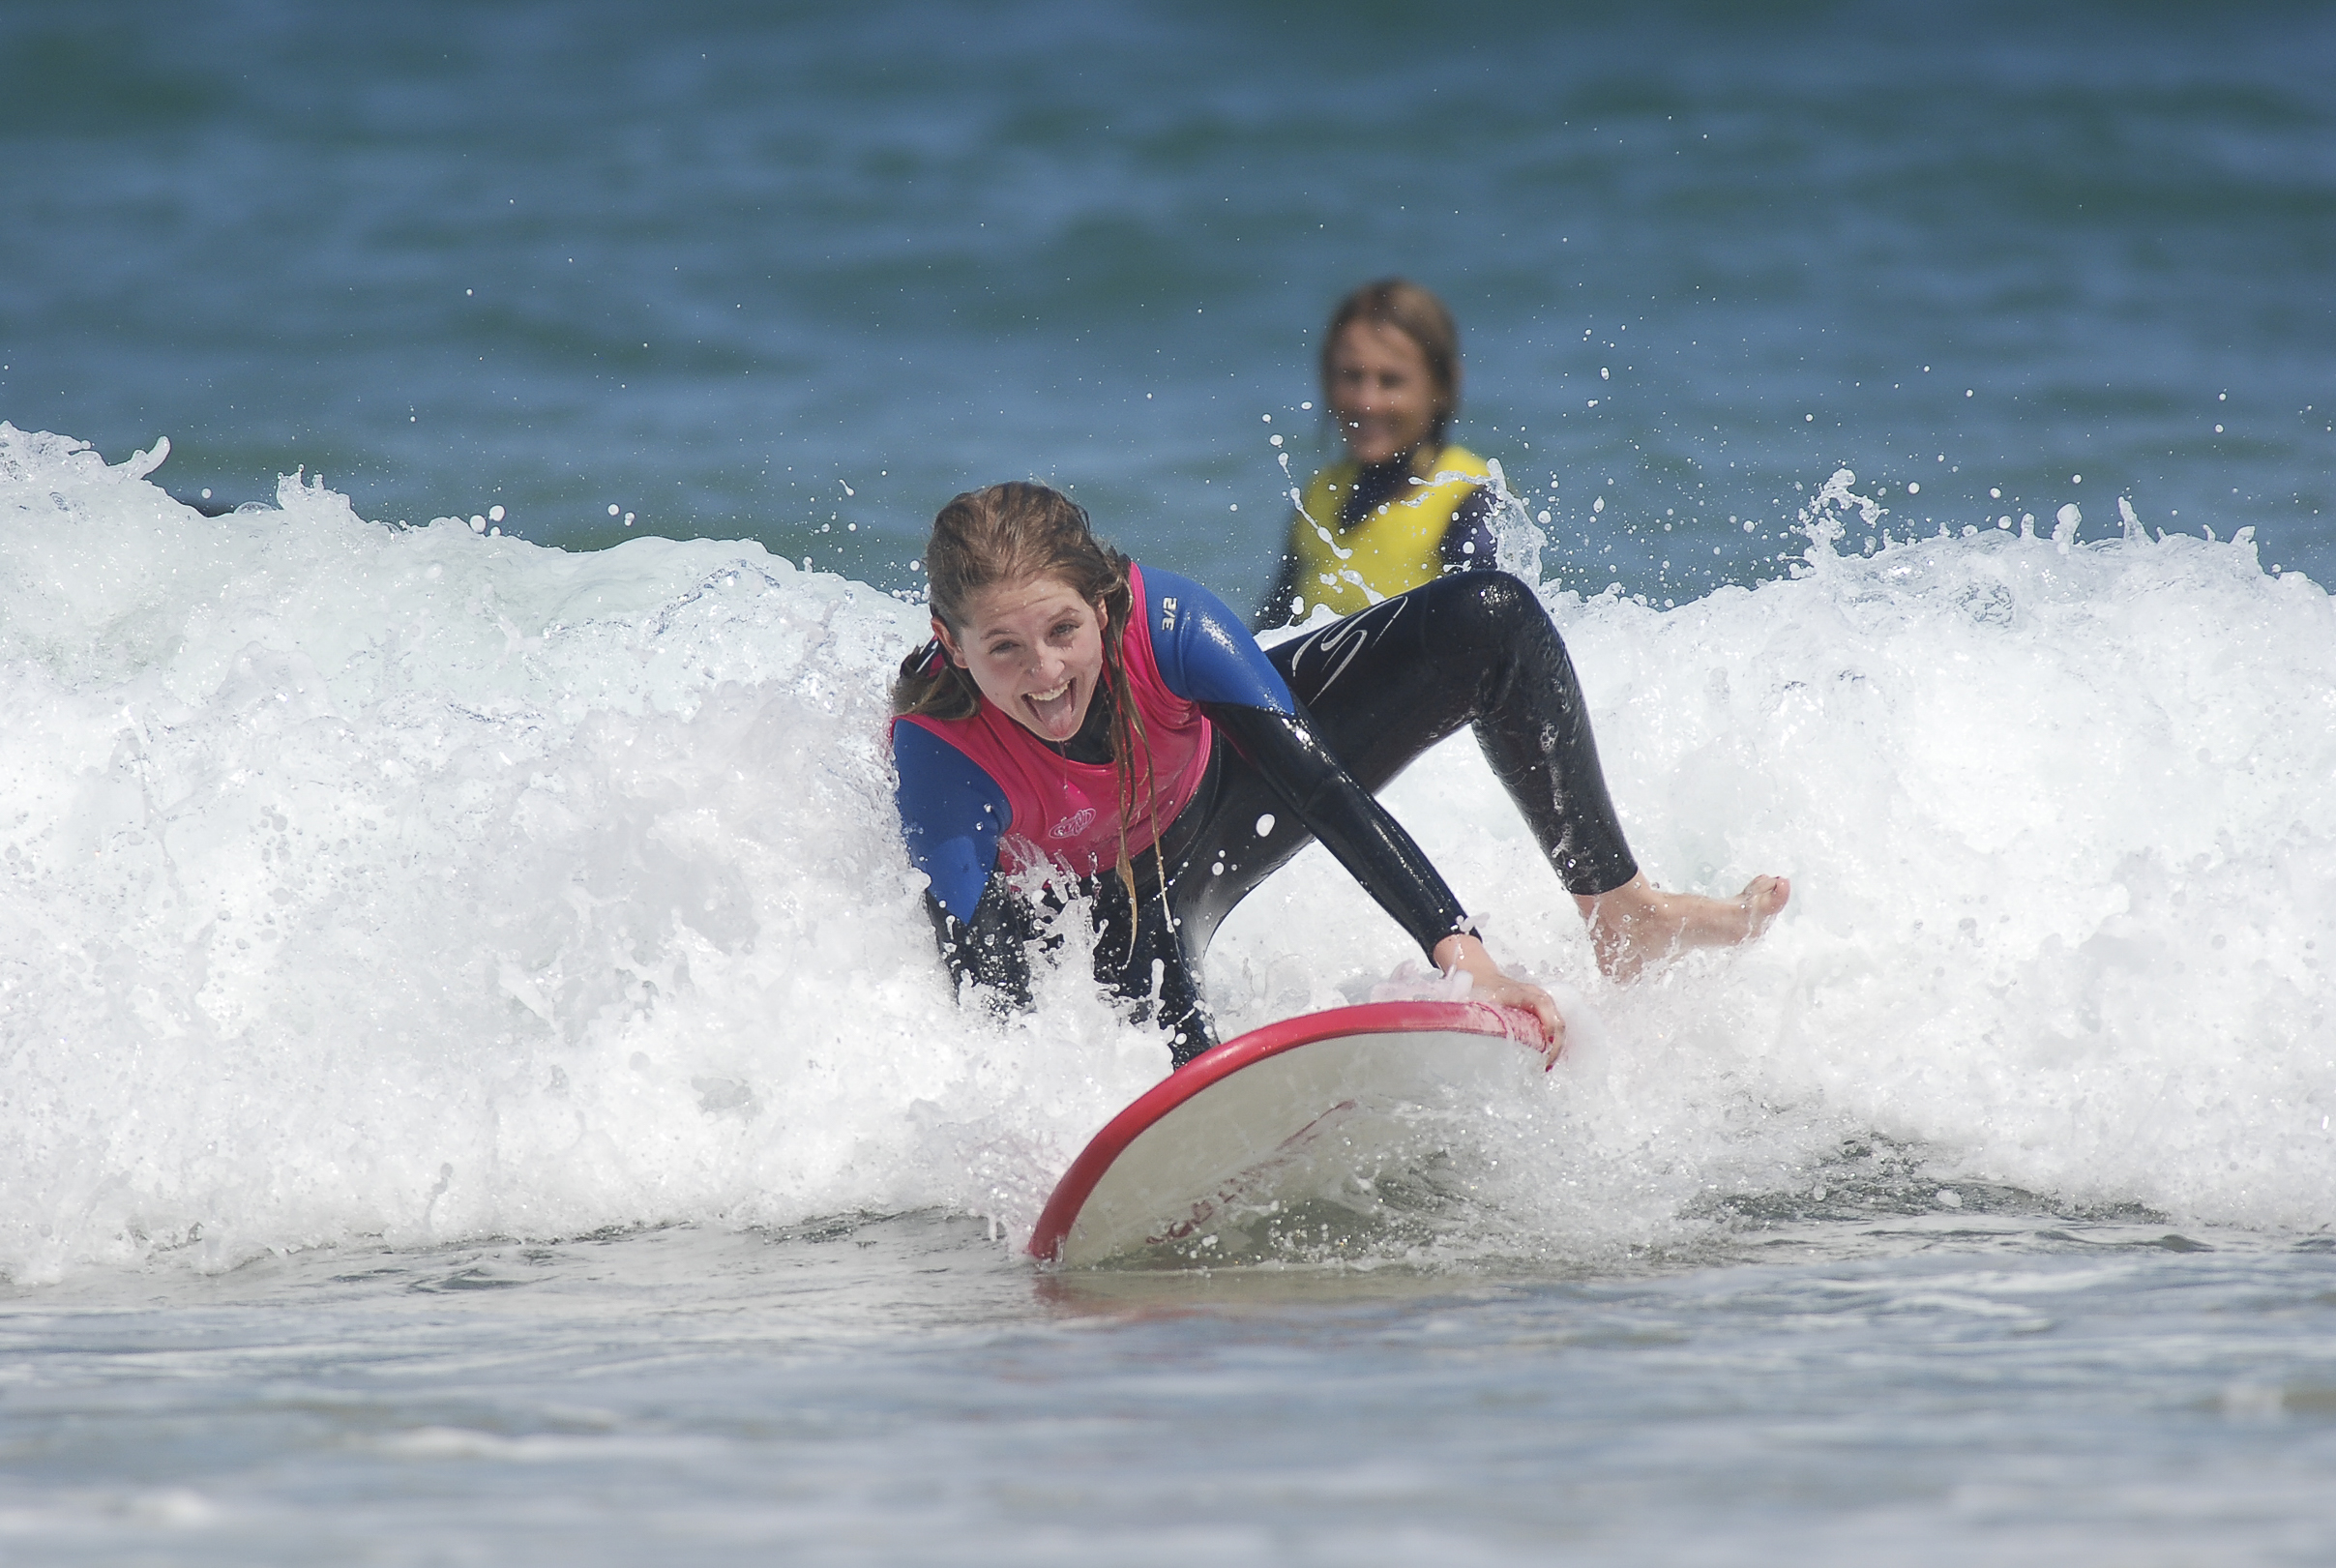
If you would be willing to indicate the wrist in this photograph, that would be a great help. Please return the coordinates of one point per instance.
(1461, 950)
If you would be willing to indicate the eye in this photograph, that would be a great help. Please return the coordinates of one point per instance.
(1066, 629)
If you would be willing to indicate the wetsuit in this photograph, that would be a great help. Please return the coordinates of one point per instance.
(1297, 740)
(1408, 525)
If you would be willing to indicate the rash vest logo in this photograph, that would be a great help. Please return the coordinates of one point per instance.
(1072, 826)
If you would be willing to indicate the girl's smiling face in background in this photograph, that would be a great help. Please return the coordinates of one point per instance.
(1380, 392)
(1035, 649)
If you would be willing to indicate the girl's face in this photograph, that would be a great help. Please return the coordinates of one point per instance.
(1379, 391)
(1035, 649)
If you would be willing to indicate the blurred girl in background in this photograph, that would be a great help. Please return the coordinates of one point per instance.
(1406, 506)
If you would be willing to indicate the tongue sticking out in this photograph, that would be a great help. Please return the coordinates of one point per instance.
(1056, 711)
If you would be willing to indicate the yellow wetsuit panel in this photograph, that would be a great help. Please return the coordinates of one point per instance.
(1399, 545)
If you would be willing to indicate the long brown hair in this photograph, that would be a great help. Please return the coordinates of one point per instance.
(1015, 533)
(1419, 315)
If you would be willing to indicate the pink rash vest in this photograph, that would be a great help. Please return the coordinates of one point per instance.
(1065, 813)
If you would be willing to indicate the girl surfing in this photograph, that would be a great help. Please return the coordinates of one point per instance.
(1079, 724)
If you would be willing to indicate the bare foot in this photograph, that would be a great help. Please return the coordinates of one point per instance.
(1637, 924)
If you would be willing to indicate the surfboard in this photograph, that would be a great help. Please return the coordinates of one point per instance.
(1267, 1113)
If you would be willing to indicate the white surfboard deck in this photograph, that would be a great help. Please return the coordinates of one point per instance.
(1293, 1103)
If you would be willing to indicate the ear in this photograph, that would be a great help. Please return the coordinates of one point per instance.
(947, 644)
(1103, 618)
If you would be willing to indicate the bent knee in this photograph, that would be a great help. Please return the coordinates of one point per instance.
(1495, 606)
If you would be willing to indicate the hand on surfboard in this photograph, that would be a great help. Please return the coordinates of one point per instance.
(1463, 954)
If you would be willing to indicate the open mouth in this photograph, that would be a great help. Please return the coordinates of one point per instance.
(1052, 709)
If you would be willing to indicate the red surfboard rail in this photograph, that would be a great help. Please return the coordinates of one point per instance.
(1078, 1183)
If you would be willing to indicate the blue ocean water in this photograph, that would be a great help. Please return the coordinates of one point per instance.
(796, 275)
(473, 1080)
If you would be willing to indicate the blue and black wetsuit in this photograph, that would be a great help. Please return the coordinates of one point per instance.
(1304, 734)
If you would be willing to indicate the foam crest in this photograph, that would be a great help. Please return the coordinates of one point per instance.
(367, 881)
(419, 884)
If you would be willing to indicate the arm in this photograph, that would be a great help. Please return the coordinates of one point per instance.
(1376, 852)
(952, 815)
(1206, 658)
(992, 948)
(1353, 825)
(1468, 543)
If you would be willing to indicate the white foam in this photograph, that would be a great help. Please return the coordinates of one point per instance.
(420, 884)
(2061, 824)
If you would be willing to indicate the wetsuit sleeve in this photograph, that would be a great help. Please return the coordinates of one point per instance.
(1342, 814)
(993, 949)
(1204, 652)
(1468, 543)
(952, 815)
(1205, 657)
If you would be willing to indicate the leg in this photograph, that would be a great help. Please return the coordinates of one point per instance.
(1478, 648)
(1474, 648)
(1638, 924)
(1380, 688)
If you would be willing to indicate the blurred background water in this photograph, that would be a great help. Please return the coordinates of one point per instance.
(799, 273)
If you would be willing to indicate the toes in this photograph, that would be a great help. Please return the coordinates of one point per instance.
(1763, 898)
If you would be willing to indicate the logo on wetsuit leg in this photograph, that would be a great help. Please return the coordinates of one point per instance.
(1349, 637)
(1072, 826)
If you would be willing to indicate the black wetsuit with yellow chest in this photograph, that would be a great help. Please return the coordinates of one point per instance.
(1365, 533)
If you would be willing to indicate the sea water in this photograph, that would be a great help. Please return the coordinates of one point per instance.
(798, 274)
(474, 1051)
(474, 1080)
